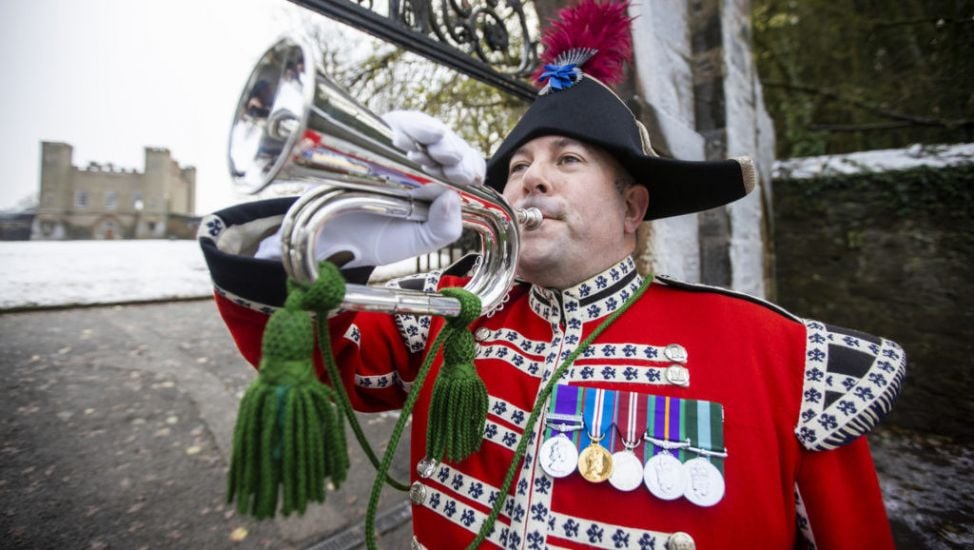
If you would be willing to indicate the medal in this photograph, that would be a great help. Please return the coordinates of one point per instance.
(706, 485)
(558, 456)
(665, 476)
(627, 469)
(595, 462)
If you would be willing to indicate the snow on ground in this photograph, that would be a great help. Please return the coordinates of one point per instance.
(62, 273)
(932, 156)
(68, 273)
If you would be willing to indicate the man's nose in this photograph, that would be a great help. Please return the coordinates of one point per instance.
(535, 179)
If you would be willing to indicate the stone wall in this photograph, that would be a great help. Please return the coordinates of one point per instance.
(890, 253)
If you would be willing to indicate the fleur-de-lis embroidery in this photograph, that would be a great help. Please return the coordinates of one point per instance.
(450, 508)
(812, 395)
(570, 527)
(828, 421)
(594, 533)
(647, 542)
(865, 394)
(542, 484)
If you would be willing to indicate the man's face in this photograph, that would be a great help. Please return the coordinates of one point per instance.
(588, 224)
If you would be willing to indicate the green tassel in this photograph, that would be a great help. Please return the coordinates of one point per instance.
(458, 406)
(289, 433)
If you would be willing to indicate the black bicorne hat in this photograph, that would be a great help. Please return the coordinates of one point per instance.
(577, 105)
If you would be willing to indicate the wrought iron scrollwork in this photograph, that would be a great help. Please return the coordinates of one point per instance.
(493, 31)
(488, 39)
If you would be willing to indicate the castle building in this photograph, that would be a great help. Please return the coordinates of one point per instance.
(105, 202)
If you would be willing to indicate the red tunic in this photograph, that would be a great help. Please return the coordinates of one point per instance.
(795, 395)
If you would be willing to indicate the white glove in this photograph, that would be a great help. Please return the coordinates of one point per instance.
(378, 240)
(429, 143)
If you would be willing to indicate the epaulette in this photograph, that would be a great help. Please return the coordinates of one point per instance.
(699, 287)
(851, 380)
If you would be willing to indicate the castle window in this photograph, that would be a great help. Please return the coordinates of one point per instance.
(81, 199)
(111, 200)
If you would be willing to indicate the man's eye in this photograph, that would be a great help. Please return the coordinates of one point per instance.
(518, 167)
(569, 159)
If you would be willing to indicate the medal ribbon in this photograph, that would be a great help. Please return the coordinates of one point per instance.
(596, 403)
(565, 401)
(629, 417)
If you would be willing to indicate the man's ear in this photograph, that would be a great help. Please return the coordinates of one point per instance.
(637, 201)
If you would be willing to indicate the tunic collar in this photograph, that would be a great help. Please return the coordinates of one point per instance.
(589, 300)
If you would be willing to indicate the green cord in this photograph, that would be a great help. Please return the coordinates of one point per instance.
(346, 403)
(407, 410)
(488, 525)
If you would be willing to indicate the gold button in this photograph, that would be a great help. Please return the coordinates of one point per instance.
(680, 541)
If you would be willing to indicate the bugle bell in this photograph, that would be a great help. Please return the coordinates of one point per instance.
(294, 124)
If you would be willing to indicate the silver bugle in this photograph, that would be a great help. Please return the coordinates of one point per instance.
(293, 124)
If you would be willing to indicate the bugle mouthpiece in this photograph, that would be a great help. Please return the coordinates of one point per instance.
(528, 218)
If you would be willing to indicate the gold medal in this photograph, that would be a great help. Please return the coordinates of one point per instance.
(595, 463)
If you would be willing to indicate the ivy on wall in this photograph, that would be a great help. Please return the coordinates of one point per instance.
(923, 191)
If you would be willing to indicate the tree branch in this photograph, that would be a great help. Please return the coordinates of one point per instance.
(913, 120)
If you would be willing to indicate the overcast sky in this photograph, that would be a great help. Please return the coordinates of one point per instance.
(111, 77)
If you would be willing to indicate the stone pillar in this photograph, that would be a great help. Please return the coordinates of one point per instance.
(728, 116)
(662, 97)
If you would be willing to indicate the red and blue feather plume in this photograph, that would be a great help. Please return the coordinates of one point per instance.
(591, 37)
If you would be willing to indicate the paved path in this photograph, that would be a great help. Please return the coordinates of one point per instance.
(115, 425)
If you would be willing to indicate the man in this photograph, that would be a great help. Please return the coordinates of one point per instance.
(743, 420)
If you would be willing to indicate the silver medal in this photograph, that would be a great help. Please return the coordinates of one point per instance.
(665, 476)
(627, 471)
(705, 486)
(558, 456)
